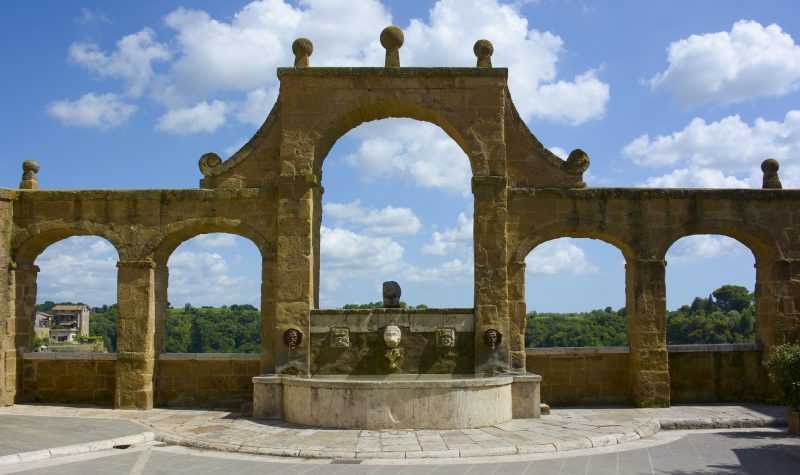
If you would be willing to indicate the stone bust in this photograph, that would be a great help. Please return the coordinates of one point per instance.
(391, 294)
(392, 336)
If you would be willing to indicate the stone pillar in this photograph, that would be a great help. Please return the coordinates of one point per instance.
(518, 315)
(269, 277)
(136, 328)
(8, 353)
(162, 302)
(25, 283)
(646, 306)
(293, 274)
(491, 274)
(777, 302)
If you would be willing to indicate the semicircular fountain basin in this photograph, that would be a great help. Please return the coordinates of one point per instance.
(401, 401)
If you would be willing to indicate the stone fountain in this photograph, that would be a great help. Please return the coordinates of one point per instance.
(395, 368)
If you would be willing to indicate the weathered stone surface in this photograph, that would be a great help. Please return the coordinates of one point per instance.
(269, 192)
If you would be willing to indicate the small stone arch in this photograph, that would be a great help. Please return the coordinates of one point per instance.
(176, 233)
(756, 240)
(529, 243)
(32, 242)
(339, 125)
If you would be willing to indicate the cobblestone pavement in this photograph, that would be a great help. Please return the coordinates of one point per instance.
(727, 451)
(563, 430)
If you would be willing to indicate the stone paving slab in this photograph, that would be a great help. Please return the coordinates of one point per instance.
(563, 430)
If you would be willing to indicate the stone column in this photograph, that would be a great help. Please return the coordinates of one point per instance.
(162, 302)
(518, 315)
(8, 294)
(646, 306)
(25, 283)
(293, 274)
(491, 274)
(136, 327)
(268, 279)
(777, 302)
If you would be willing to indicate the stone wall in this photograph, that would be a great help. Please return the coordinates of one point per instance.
(717, 373)
(8, 358)
(211, 380)
(601, 375)
(582, 376)
(76, 378)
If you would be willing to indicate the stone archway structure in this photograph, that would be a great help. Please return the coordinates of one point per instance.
(269, 192)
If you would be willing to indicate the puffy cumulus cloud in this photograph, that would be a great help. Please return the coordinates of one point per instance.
(749, 61)
(450, 272)
(78, 269)
(558, 256)
(132, 61)
(215, 240)
(405, 147)
(692, 248)
(345, 255)
(202, 117)
(101, 111)
(256, 106)
(453, 240)
(531, 56)
(724, 153)
(207, 278)
(211, 57)
(218, 55)
(385, 221)
(695, 177)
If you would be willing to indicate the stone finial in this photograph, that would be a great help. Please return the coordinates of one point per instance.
(483, 49)
(770, 168)
(302, 49)
(29, 170)
(392, 40)
(391, 294)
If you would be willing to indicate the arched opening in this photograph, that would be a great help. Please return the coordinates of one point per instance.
(576, 322)
(575, 294)
(214, 296)
(397, 205)
(76, 297)
(712, 322)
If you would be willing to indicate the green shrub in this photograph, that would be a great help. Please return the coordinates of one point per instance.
(784, 369)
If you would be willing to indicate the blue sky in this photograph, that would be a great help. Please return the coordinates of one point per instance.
(129, 95)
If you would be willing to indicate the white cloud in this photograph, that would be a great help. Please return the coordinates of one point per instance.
(102, 111)
(695, 177)
(531, 56)
(558, 256)
(385, 221)
(78, 269)
(346, 255)
(256, 106)
(453, 240)
(89, 17)
(691, 248)
(202, 117)
(207, 278)
(210, 56)
(215, 240)
(132, 61)
(409, 148)
(723, 153)
(724, 67)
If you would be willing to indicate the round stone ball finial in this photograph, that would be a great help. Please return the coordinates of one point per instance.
(771, 180)
(29, 170)
(302, 49)
(392, 39)
(483, 50)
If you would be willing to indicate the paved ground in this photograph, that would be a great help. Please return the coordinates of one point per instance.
(20, 433)
(564, 430)
(732, 451)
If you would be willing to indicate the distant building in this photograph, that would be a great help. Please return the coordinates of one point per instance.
(41, 325)
(68, 322)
